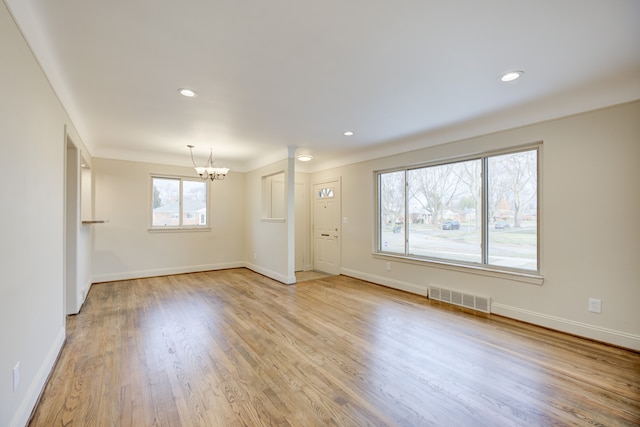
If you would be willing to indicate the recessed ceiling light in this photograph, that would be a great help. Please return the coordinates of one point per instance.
(511, 76)
(189, 93)
(304, 157)
(348, 133)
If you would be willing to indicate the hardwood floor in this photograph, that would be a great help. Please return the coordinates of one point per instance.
(234, 348)
(303, 276)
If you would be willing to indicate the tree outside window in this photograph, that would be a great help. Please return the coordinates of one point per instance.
(442, 211)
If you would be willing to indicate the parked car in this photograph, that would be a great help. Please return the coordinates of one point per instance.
(451, 225)
(501, 225)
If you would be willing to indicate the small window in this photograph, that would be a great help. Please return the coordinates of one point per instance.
(178, 203)
(325, 193)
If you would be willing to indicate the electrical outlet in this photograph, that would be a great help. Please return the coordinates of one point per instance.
(595, 305)
(388, 266)
(16, 376)
(255, 256)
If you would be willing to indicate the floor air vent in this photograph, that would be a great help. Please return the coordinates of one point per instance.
(473, 302)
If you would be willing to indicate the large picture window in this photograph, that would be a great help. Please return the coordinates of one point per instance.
(178, 203)
(479, 211)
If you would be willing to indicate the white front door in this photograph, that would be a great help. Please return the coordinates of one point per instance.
(302, 227)
(326, 227)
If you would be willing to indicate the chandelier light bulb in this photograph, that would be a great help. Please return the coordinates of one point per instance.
(208, 171)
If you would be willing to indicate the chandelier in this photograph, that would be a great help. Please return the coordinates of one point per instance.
(208, 171)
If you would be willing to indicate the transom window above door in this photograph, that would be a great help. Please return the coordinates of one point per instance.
(325, 193)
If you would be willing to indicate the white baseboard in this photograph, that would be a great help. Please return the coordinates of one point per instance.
(86, 291)
(21, 417)
(586, 330)
(83, 296)
(127, 275)
(385, 281)
(287, 280)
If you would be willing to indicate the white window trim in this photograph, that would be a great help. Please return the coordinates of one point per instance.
(178, 228)
(480, 269)
(533, 277)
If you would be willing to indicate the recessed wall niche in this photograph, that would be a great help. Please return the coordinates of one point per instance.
(273, 196)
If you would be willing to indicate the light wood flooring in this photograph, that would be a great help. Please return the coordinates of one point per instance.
(234, 348)
(303, 276)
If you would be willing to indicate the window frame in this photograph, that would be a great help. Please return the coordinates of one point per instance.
(181, 214)
(482, 268)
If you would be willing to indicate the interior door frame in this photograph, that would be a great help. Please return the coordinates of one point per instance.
(71, 225)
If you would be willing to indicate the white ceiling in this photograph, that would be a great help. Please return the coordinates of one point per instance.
(282, 73)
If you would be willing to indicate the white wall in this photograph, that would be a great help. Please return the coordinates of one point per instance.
(32, 134)
(588, 177)
(590, 247)
(267, 240)
(125, 248)
(590, 228)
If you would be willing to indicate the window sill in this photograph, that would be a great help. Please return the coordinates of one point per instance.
(177, 229)
(272, 219)
(518, 276)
